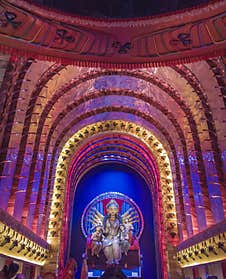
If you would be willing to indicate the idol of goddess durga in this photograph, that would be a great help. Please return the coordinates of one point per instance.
(113, 232)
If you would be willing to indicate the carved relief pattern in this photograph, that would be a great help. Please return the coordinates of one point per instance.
(19, 242)
(46, 38)
(126, 127)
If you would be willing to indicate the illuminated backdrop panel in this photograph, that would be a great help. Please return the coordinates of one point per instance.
(116, 178)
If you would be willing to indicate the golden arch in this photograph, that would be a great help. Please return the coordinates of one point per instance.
(63, 163)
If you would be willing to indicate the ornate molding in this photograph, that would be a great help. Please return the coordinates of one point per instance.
(19, 242)
(205, 247)
(36, 32)
(146, 136)
(167, 203)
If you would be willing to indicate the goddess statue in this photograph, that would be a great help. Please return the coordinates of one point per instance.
(113, 232)
(112, 224)
(111, 242)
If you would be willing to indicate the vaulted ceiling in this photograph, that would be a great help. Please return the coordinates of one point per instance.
(44, 103)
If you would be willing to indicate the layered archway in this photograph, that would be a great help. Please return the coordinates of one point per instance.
(161, 187)
(46, 103)
(153, 88)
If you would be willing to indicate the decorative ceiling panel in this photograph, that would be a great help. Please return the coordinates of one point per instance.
(189, 35)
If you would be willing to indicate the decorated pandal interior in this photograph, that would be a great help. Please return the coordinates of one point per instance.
(112, 143)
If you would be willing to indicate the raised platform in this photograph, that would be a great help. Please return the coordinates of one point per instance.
(131, 261)
(129, 266)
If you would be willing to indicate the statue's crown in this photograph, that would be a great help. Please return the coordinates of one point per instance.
(112, 203)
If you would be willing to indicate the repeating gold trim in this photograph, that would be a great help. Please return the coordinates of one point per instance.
(150, 140)
(16, 245)
(209, 250)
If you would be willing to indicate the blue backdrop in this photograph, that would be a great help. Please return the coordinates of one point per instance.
(115, 178)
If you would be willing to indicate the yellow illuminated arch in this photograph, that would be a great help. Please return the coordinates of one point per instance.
(63, 163)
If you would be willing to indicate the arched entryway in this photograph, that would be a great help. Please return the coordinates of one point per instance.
(114, 141)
